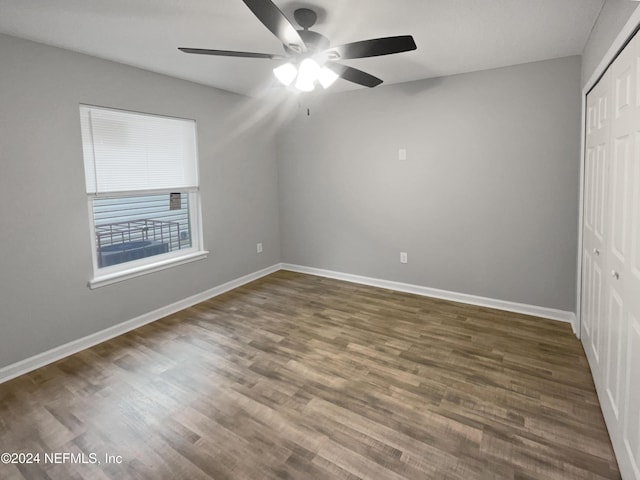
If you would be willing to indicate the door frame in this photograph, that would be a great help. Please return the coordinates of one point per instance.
(630, 28)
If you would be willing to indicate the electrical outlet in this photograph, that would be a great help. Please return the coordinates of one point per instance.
(259, 247)
(403, 257)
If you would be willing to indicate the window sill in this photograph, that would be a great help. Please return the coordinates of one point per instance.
(104, 280)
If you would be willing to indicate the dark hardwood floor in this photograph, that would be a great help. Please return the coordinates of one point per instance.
(297, 376)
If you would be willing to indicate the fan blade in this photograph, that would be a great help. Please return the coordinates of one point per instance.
(272, 18)
(230, 53)
(354, 75)
(374, 47)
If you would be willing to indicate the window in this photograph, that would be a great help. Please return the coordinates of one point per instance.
(141, 175)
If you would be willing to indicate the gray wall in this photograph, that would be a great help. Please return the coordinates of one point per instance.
(613, 16)
(485, 204)
(45, 258)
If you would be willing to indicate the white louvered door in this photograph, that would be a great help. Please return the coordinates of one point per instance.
(611, 252)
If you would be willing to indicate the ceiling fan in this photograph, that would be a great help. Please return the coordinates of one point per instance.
(310, 58)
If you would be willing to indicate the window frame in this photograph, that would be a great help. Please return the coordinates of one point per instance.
(143, 266)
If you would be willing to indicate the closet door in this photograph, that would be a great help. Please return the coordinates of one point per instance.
(631, 414)
(618, 218)
(611, 254)
(625, 270)
(595, 206)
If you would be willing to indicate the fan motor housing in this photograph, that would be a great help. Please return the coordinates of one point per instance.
(314, 42)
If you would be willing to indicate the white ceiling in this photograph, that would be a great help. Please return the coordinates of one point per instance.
(453, 36)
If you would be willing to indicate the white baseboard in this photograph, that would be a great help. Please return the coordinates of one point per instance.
(544, 312)
(40, 360)
(75, 346)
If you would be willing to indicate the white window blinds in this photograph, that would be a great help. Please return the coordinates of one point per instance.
(127, 152)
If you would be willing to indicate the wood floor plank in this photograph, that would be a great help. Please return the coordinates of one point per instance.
(301, 377)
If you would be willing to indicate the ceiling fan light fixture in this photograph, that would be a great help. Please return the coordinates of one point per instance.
(307, 75)
(326, 77)
(286, 73)
(299, 45)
